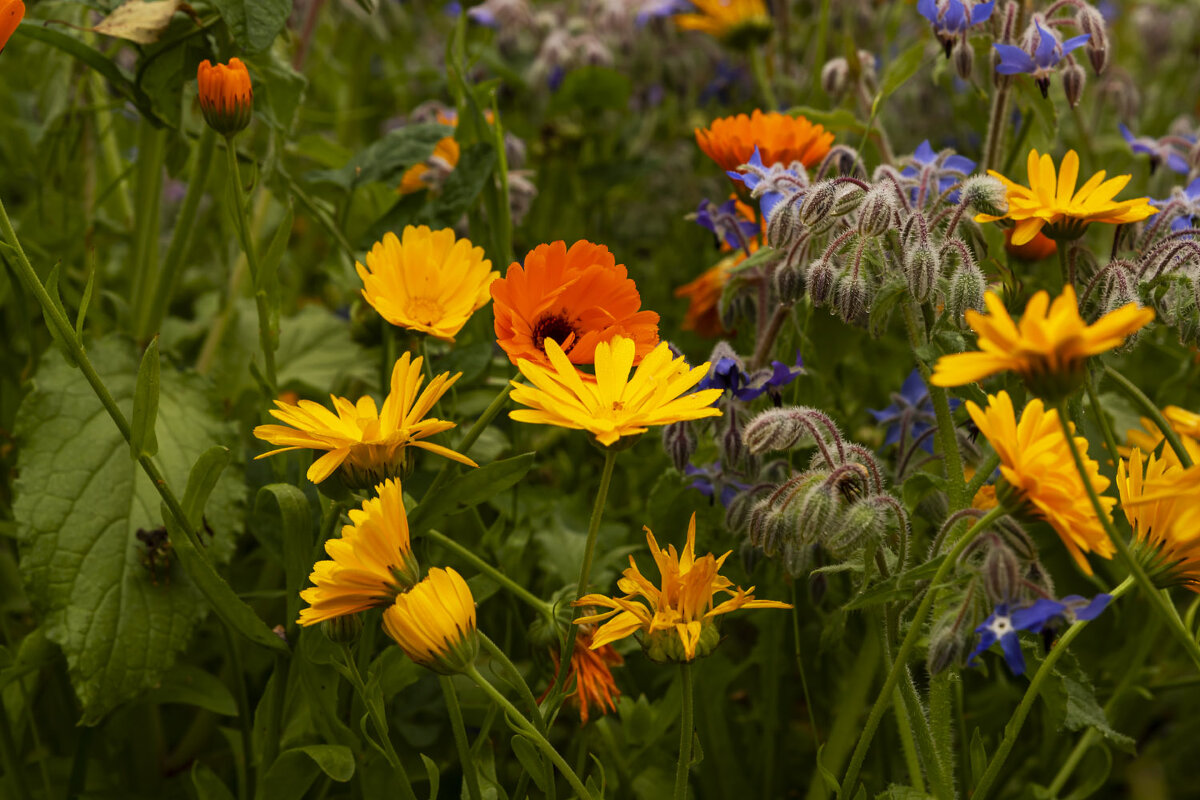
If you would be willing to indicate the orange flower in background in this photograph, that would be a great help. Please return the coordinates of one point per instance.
(11, 14)
(226, 96)
(415, 178)
(1037, 248)
(578, 297)
(780, 139)
(591, 672)
(704, 294)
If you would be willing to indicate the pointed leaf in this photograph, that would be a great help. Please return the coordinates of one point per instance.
(142, 441)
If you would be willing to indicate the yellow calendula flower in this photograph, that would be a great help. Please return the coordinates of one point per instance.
(368, 444)
(1052, 202)
(677, 617)
(1048, 348)
(427, 281)
(1161, 500)
(613, 404)
(1149, 437)
(434, 622)
(736, 22)
(369, 565)
(1040, 476)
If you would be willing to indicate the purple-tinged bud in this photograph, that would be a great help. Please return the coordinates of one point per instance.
(784, 224)
(821, 278)
(963, 57)
(849, 197)
(835, 78)
(1001, 574)
(786, 428)
(851, 298)
(738, 512)
(1073, 78)
(986, 195)
(921, 272)
(816, 512)
(877, 212)
(680, 443)
(732, 448)
(1091, 22)
(789, 284)
(818, 203)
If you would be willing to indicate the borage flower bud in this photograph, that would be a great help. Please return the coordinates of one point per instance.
(985, 195)
(817, 512)
(789, 283)
(963, 57)
(783, 429)
(967, 285)
(11, 14)
(1001, 574)
(851, 296)
(858, 524)
(1073, 79)
(434, 622)
(1091, 22)
(835, 77)
(921, 272)
(877, 211)
(226, 96)
(849, 197)
(680, 443)
(817, 204)
(947, 643)
(821, 278)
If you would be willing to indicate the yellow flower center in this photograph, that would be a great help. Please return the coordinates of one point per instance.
(427, 310)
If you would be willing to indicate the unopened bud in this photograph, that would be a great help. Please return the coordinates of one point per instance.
(877, 211)
(344, 629)
(731, 446)
(821, 278)
(738, 512)
(815, 512)
(780, 429)
(1073, 79)
(850, 296)
(921, 272)
(986, 195)
(849, 197)
(818, 203)
(680, 443)
(967, 286)
(783, 223)
(963, 57)
(835, 76)
(789, 284)
(1091, 22)
(858, 524)
(947, 642)
(1001, 574)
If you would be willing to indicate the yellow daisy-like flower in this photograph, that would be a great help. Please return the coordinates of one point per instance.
(1051, 201)
(434, 622)
(1048, 347)
(368, 444)
(1036, 464)
(1162, 503)
(614, 404)
(1149, 437)
(677, 617)
(369, 565)
(736, 22)
(427, 281)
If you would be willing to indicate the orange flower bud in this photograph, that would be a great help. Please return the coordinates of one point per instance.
(11, 14)
(1039, 247)
(226, 96)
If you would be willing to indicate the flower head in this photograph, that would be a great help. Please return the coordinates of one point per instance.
(711, 481)
(1051, 201)
(1003, 624)
(735, 22)
(1183, 206)
(771, 185)
(368, 445)
(11, 14)
(441, 162)
(615, 405)
(1037, 466)
(590, 671)
(428, 281)
(732, 222)
(677, 616)
(1161, 500)
(932, 174)
(1048, 348)
(780, 139)
(1160, 152)
(434, 622)
(1149, 437)
(952, 18)
(910, 417)
(575, 298)
(704, 297)
(1041, 54)
(226, 96)
(369, 565)
(728, 374)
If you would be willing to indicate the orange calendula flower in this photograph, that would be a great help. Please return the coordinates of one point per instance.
(369, 445)
(1036, 249)
(590, 672)
(226, 96)
(614, 404)
(1149, 437)
(736, 22)
(678, 616)
(1161, 500)
(1052, 202)
(1048, 348)
(1037, 466)
(780, 139)
(434, 622)
(369, 565)
(427, 281)
(11, 14)
(704, 297)
(445, 155)
(576, 298)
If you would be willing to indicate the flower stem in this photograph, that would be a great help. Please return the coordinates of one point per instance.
(523, 689)
(243, 706)
(375, 712)
(521, 593)
(850, 781)
(766, 338)
(1148, 408)
(822, 39)
(470, 775)
(686, 733)
(527, 728)
(1160, 600)
(1013, 729)
(13, 765)
(996, 121)
(758, 65)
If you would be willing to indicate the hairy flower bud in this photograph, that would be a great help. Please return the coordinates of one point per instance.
(816, 511)
(947, 642)
(1073, 78)
(731, 446)
(849, 197)
(818, 203)
(1001, 574)
(739, 511)
(877, 211)
(785, 428)
(986, 195)
(963, 57)
(858, 524)
(821, 278)
(835, 77)
(851, 297)
(789, 284)
(967, 286)
(1091, 22)
(921, 271)
(680, 443)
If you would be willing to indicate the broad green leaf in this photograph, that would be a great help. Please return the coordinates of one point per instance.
(1082, 711)
(295, 528)
(317, 354)
(207, 785)
(295, 770)
(897, 587)
(531, 759)
(202, 479)
(190, 685)
(254, 23)
(138, 21)
(434, 775)
(142, 441)
(471, 489)
(838, 119)
(387, 157)
(119, 619)
(900, 70)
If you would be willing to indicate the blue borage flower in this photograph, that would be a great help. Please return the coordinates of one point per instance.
(1004, 623)
(1184, 205)
(1044, 52)
(725, 222)
(928, 169)
(911, 413)
(771, 185)
(1160, 151)
(727, 373)
(655, 9)
(711, 482)
(952, 18)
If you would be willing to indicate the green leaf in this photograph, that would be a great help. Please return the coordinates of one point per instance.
(434, 775)
(317, 353)
(830, 780)
(979, 757)
(119, 618)
(920, 485)
(592, 90)
(254, 23)
(189, 685)
(897, 587)
(296, 532)
(89, 56)
(142, 441)
(201, 481)
(897, 792)
(899, 71)
(208, 786)
(295, 770)
(837, 119)
(469, 490)
(1081, 710)
(52, 290)
(386, 158)
(531, 759)
(86, 300)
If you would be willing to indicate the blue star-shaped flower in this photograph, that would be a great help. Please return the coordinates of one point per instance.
(653, 9)
(725, 222)
(1159, 152)
(711, 482)
(727, 373)
(925, 168)
(1004, 623)
(952, 18)
(771, 185)
(1045, 56)
(1189, 199)
(911, 413)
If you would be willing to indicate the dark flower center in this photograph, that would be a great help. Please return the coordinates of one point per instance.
(556, 327)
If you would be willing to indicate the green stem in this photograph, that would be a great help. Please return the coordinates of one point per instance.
(527, 728)
(686, 732)
(152, 144)
(758, 64)
(1110, 438)
(381, 728)
(12, 760)
(279, 679)
(519, 591)
(997, 120)
(470, 775)
(822, 39)
(981, 476)
(812, 716)
(850, 781)
(1013, 728)
(1064, 268)
(1159, 599)
(242, 224)
(243, 706)
(181, 237)
(911, 719)
(1147, 407)
(523, 689)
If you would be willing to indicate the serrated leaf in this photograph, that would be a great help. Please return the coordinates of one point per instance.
(1082, 711)
(254, 23)
(139, 21)
(78, 509)
(142, 441)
